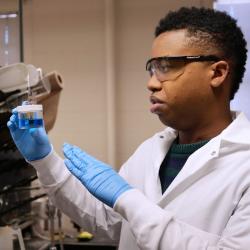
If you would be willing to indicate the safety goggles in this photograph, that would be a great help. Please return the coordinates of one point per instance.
(168, 68)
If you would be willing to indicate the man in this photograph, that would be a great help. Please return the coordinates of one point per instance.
(187, 187)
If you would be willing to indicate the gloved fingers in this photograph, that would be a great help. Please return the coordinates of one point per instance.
(69, 154)
(67, 150)
(88, 160)
(73, 169)
(73, 152)
(81, 165)
(80, 158)
(14, 111)
(12, 123)
(83, 156)
(39, 135)
(79, 153)
(14, 118)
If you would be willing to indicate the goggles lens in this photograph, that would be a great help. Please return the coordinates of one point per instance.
(170, 68)
(164, 70)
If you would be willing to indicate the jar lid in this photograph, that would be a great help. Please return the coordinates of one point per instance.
(29, 108)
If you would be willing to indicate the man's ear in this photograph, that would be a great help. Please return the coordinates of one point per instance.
(219, 72)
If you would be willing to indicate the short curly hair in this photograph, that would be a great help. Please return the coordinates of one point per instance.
(216, 29)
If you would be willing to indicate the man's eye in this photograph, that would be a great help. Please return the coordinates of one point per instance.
(164, 67)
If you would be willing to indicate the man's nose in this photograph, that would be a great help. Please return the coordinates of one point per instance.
(154, 84)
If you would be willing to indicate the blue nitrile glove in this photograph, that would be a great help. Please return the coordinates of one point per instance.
(100, 179)
(32, 143)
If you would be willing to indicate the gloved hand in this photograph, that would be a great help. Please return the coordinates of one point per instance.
(32, 143)
(99, 178)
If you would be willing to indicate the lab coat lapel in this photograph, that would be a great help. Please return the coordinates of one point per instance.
(162, 143)
(191, 172)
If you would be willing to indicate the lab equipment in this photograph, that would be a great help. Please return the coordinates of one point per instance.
(21, 82)
(16, 175)
(36, 86)
(30, 116)
(51, 210)
(100, 179)
(60, 232)
(13, 77)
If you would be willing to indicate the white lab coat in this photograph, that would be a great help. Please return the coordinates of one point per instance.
(206, 207)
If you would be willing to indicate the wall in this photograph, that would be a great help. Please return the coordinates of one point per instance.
(8, 5)
(69, 36)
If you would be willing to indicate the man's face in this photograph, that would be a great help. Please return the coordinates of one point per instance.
(180, 98)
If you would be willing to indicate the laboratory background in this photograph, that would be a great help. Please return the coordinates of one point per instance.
(85, 62)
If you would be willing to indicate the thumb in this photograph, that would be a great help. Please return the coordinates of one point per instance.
(39, 135)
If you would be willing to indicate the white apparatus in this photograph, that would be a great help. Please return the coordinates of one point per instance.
(23, 82)
(22, 77)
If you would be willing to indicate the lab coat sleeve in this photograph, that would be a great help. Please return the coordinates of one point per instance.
(68, 194)
(157, 229)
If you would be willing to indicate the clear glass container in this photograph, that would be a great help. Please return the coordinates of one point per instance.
(30, 116)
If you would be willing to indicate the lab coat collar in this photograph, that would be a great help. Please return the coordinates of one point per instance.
(238, 130)
(162, 143)
(202, 157)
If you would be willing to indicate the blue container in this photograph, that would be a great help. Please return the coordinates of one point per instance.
(30, 116)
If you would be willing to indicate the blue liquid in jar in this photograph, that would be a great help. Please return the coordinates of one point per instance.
(30, 123)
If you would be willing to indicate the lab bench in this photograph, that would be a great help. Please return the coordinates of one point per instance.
(68, 244)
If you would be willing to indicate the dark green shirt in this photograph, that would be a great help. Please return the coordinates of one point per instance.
(175, 160)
